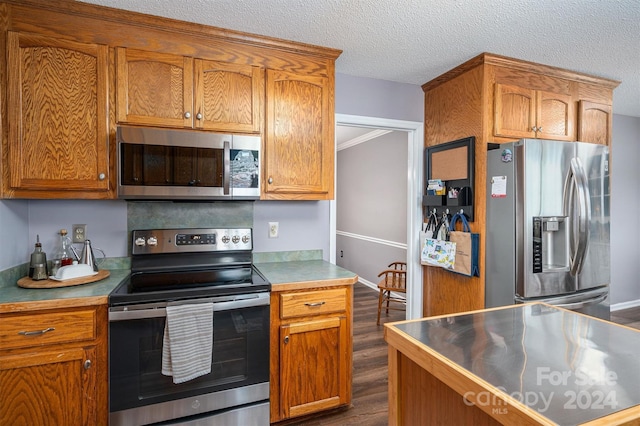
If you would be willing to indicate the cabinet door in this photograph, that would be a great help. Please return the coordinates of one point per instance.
(313, 363)
(554, 116)
(515, 112)
(594, 123)
(48, 388)
(228, 97)
(299, 146)
(154, 88)
(57, 109)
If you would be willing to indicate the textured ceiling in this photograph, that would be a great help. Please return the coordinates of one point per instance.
(413, 41)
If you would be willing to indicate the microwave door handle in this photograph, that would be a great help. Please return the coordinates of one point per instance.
(226, 177)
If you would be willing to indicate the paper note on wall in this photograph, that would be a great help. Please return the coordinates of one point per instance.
(498, 187)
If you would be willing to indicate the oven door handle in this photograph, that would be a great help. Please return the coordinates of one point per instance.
(142, 312)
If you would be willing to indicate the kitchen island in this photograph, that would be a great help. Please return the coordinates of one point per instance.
(531, 364)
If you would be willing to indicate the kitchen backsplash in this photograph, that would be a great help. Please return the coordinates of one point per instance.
(161, 214)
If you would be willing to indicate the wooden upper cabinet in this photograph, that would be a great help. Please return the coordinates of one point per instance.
(58, 145)
(160, 89)
(299, 142)
(515, 111)
(594, 122)
(526, 113)
(228, 96)
(555, 116)
(154, 88)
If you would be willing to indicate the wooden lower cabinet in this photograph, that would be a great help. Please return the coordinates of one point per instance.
(311, 351)
(53, 367)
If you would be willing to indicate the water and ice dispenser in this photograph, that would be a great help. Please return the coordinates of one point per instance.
(550, 244)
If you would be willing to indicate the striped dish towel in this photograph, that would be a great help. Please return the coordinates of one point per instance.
(188, 341)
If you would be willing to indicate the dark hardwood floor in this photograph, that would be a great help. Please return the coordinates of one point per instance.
(369, 393)
(629, 317)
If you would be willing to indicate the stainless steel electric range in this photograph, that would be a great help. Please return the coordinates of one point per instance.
(201, 268)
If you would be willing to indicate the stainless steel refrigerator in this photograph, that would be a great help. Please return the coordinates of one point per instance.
(547, 234)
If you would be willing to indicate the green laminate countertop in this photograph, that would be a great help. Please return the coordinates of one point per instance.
(15, 299)
(281, 273)
(305, 273)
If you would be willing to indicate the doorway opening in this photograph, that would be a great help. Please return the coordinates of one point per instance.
(413, 131)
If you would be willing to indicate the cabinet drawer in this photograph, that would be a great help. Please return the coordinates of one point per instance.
(23, 331)
(313, 303)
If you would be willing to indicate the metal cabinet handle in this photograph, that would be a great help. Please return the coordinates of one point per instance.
(36, 333)
(540, 128)
(199, 116)
(270, 180)
(534, 129)
(101, 176)
(286, 339)
(315, 304)
(187, 114)
(87, 364)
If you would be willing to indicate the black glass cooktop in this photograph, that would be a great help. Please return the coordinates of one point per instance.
(147, 287)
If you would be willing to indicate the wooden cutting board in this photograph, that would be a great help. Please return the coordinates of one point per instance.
(27, 282)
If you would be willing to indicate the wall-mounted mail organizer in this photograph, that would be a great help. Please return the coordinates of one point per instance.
(449, 170)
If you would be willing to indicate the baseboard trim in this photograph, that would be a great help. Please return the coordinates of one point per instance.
(625, 305)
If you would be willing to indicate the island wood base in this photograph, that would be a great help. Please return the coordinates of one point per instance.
(416, 397)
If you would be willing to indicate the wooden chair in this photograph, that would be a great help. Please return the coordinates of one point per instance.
(394, 280)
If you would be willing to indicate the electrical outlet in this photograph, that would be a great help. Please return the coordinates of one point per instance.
(273, 229)
(78, 233)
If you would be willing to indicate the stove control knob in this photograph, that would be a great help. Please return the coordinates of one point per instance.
(225, 239)
(245, 239)
(140, 241)
(152, 241)
(235, 239)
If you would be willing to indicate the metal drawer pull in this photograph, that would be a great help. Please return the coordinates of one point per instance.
(315, 304)
(36, 333)
(87, 364)
(286, 339)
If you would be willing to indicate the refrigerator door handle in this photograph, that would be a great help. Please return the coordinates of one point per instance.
(576, 183)
(583, 303)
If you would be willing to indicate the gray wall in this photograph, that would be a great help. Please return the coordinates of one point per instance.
(625, 210)
(369, 97)
(371, 204)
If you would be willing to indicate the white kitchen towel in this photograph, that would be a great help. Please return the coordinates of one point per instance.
(188, 342)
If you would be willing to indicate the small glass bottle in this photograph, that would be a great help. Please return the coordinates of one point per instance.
(62, 255)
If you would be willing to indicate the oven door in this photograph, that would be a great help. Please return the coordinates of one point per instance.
(140, 394)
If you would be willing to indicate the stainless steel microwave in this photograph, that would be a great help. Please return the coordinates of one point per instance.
(167, 164)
